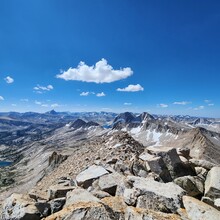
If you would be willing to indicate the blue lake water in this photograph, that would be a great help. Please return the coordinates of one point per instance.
(4, 163)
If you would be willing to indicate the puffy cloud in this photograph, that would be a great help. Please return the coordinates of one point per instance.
(207, 100)
(14, 105)
(163, 105)
(84, 93)
(92, 93)
(211, 104)
(54, 105)
(1, 98)
(131, 88)
(41, 89)
(8, 79)
(199, 108)
(101, 72)
(181, 103)
(101, 94)
(127, 103)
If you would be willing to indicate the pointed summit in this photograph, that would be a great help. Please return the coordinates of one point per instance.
(145, 116)
(52, 112)
(126, 117)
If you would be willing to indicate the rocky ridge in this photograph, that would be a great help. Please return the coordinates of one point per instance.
(115, 177)
(144, 167)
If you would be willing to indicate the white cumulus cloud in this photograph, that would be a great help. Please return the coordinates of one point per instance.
(101, 72)
(127, 103)
(1, 98)
(163, 105)
(8, 79)
(84, 93)
(101, 94)
(41, 89)
(181, 103)
(211, 104)
(207, 100)
(131, 88)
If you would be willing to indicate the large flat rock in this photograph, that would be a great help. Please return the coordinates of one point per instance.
(212, 183)
(19, 207)
(109, 182)
(197, 210)
(93, 172)
(150, 193)
(79, 195)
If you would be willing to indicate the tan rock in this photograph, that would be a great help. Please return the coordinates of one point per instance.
(197, 210)
(58, 191)
(116, 203)
(84, 210)
(133, 213)
(79, 195)
(19, 207)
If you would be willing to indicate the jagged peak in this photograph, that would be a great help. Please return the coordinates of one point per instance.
(126, 116)
(52, 112)
(145, 116)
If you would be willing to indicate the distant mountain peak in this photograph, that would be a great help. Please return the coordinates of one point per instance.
(126, 117)
(145, 116)
(52, 112)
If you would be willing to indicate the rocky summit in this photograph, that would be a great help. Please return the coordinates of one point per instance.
(107, 166)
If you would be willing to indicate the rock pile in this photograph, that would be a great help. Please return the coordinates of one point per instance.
(152, 184)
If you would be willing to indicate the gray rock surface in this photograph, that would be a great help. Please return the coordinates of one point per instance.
(133, 213)
(58, 191)
(86, 177)
(217, 203)
(80, 205)
(158, 166)
(100, 194)
(202, 163)
(212, 183)
(130, 196)
(85, 211)
(57, 204)
(79, 195)
(173, 163)
(201, 172)
(109, 182)
(193, 185)
(19, 207)
(150, 193)
(197, 210)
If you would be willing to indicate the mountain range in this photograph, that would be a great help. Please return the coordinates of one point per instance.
(29, 139)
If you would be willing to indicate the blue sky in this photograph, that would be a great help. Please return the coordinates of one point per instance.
(109, 55)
